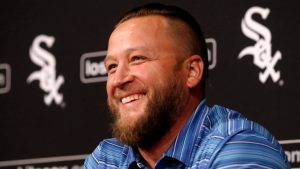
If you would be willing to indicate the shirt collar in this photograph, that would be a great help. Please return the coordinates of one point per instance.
(183, 145)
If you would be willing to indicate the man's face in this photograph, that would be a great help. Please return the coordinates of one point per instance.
(143, 92)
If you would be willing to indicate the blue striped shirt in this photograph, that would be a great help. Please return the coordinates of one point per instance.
(213, 137)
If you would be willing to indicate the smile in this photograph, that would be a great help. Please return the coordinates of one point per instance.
(132, 98)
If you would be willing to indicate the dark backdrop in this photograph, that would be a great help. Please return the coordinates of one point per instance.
(55, 49)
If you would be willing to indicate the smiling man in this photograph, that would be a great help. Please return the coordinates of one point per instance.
(157, 66)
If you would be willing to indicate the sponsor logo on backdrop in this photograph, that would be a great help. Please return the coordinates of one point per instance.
(262, 49)
(92, 68)
(58, 162)
(49, 82)
(54, 166)
(5, 78)
(292, 151)
(212, 52)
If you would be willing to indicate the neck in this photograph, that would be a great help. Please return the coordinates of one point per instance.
(152, 154)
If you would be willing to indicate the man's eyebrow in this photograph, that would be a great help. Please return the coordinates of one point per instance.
(137, 48)
(130, 50)
(127, 51)
(107, 58)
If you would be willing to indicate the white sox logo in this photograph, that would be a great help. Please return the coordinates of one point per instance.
(47, 74)
(262, 50)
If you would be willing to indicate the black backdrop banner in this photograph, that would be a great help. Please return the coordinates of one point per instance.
(52, 78)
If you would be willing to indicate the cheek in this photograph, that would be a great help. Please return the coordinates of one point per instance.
(109, 89)
(148, 79)
(153, 73)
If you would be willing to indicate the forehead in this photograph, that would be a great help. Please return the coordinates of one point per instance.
(147, 32)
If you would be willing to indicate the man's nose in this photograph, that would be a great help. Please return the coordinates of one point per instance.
(122, 76)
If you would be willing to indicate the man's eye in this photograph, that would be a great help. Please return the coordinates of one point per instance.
(110, 67)
(137, 58)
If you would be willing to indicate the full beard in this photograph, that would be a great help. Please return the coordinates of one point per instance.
(160, 114)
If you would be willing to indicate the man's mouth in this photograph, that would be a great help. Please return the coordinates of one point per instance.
(132, 98)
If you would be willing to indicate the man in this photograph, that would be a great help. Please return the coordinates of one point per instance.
(157, 65)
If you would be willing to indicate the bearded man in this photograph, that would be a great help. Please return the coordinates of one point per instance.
(157, 66)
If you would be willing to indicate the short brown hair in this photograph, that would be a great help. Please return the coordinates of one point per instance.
(197, 41)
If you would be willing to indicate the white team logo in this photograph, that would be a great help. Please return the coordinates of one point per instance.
(262, 50)
(48, 81)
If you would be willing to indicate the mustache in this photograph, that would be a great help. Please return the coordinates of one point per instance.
(129, 89)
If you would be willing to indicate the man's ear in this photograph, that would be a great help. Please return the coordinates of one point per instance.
(195, 70)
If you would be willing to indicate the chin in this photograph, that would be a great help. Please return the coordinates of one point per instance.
(130, 116)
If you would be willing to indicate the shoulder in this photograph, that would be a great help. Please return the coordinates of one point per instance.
(110, 153)
(227, 123)
(251, 149)
(239, 142)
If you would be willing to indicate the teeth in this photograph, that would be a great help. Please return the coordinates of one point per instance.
(131, 98)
